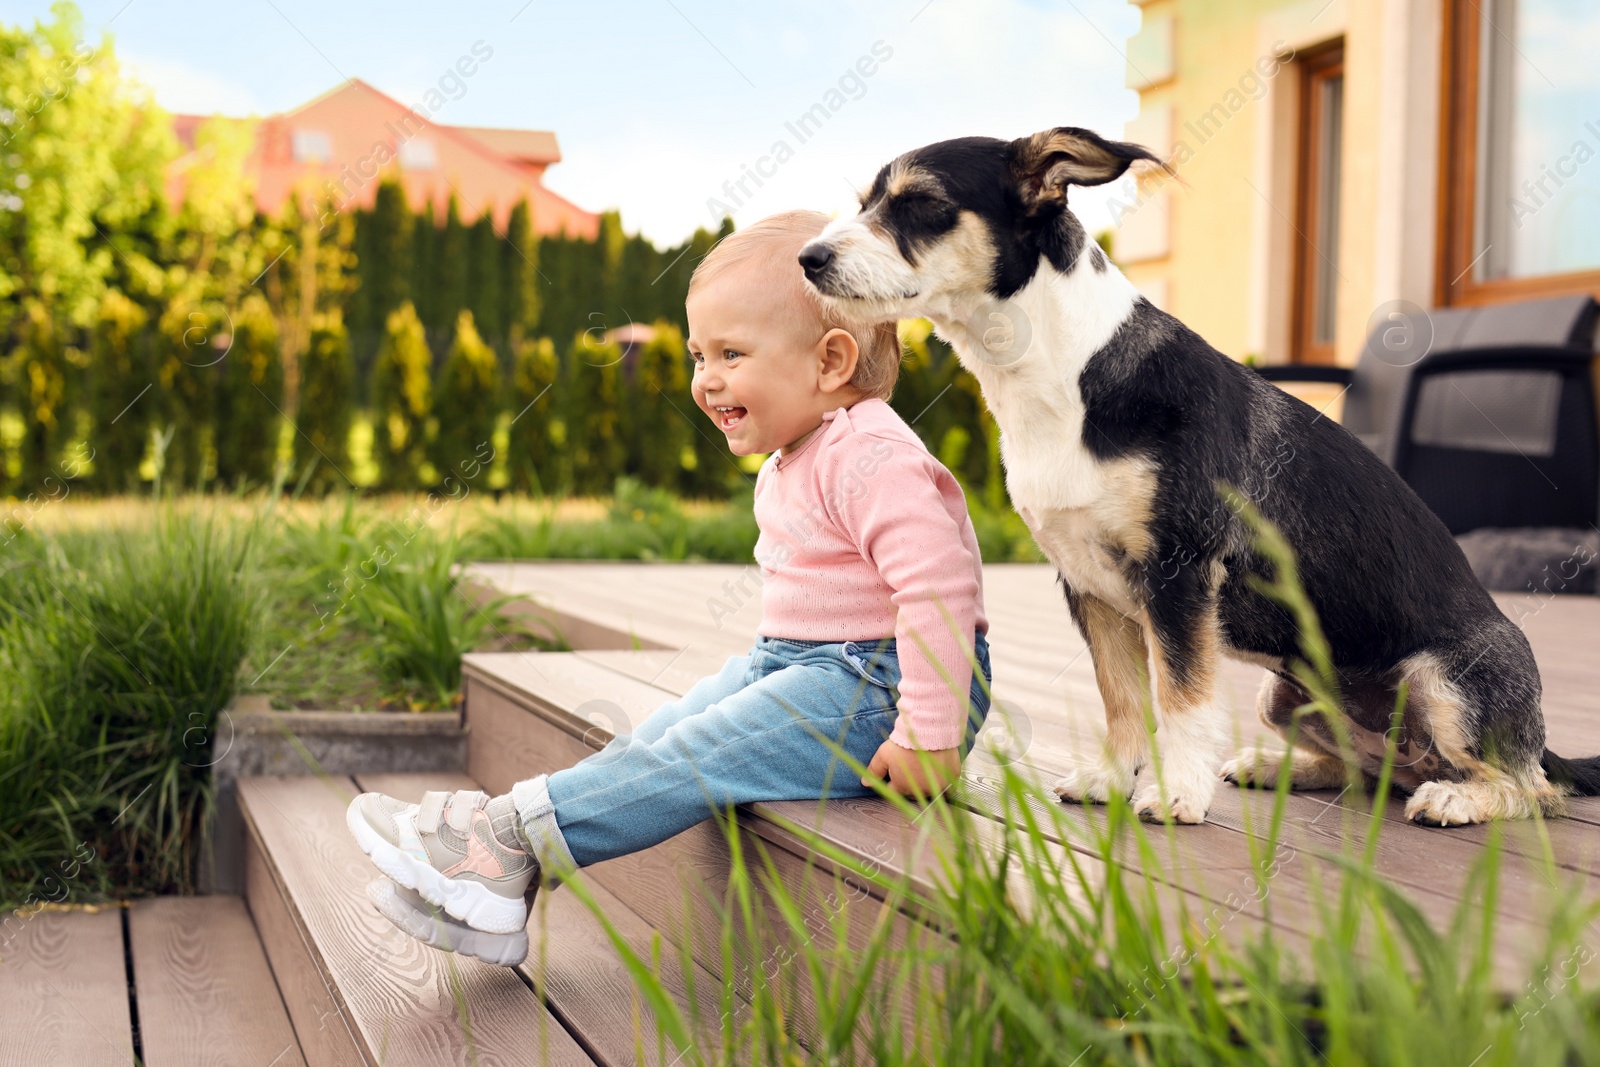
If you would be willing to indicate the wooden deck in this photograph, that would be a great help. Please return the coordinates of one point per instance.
(311, 974)
(190, 969)
(685, 620)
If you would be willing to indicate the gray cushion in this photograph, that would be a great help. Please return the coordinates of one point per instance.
(1535, 560)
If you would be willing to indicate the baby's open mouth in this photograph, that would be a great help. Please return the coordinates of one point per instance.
(729, 417)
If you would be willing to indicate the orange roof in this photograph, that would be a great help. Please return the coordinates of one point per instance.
(349, 139)
(524, 146)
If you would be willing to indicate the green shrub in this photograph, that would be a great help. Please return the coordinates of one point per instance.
(249, 399)
(591, 399)
(466, 406)
(401, 400)
(658, 426)
(119, 371)
(327, 376)
(422, 620)
(119, 649)
(41, 376)
(533, 459)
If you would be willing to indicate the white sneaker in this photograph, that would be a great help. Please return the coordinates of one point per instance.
(432, 926)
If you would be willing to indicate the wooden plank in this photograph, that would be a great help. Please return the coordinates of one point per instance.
(418, 1006)
(206, 994)
(573, 961)
(64, 989)
(676, 887)
(321, 1026)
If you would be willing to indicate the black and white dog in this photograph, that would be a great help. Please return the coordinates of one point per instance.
(1117, 425)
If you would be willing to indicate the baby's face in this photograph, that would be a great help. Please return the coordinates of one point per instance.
(753, 377)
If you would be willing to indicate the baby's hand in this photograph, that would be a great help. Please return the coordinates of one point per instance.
(922, 774)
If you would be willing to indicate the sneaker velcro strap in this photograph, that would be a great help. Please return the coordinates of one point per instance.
(458, 813)
(430, 810)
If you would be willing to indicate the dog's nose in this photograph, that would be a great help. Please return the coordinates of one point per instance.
(815, 257)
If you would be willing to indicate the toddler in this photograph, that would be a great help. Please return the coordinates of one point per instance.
(871, 622)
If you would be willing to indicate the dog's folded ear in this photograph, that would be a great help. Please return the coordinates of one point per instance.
(1045, 163)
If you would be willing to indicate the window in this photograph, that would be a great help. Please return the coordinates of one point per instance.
(1316, 287)
(311, 146)
(418, 154)
(1520, 196)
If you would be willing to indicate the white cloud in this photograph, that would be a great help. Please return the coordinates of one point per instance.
(181, 88)
(992, 68)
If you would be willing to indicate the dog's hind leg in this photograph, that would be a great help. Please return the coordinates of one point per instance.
(1185, 634)
(1310, 765)
(1481, 706)
(1116, 644)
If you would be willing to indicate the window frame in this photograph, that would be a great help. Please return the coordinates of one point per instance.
(1314, 67)
(1458, 179)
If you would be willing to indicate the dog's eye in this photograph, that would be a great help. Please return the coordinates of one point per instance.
(924, 208)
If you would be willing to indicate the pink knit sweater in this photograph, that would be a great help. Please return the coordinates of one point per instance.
(864, 535)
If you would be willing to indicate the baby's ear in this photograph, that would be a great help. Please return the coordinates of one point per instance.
(840, 354)
(1045, 163)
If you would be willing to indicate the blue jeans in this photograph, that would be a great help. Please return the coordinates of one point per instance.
(752, 732)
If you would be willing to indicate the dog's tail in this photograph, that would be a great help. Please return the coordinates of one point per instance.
(1575, 777)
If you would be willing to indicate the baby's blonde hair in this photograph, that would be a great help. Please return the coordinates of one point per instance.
(774, 244)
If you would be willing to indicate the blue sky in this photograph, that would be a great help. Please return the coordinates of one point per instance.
(657, 103)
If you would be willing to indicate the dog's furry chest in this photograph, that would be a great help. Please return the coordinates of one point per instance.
(1091, 517)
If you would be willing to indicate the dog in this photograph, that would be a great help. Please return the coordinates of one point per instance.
(1118, 424)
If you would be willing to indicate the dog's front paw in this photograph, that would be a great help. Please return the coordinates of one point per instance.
(1443, 804)
(1182, 806)
(1250, 770)
(1094, 784)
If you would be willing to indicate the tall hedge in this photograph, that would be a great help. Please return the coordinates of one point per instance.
(591, 402)
(658, 422)
(448, 275)
(467, 404)
(485, 286)
(249, 399)
(385, 241)
(192, 339)
(119, 380)
(533, 458)
(327, 380)
(520, 273)
(41, 398)
(402, 398)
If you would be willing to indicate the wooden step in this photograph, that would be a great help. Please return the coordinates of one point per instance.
(522, 711)
(533, 713)
(573, 962)
(205, 991)
(64, 989)
(201, 993)
(359, 990)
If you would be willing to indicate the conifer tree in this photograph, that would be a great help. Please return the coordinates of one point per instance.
(533, 459)
(249, 399)
(119, 373)
(401, 400)
(192, 340)
(656, 425)
(485, 286)
(327, 376)
(467, 403)
(450, 269)
(591, 410)
(41, 397)
(520, 273)
(386, 256)
(424, 252)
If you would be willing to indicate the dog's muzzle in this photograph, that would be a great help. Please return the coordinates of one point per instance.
(817, 260)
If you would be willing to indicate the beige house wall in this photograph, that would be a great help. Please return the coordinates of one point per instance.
(1217, 250)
